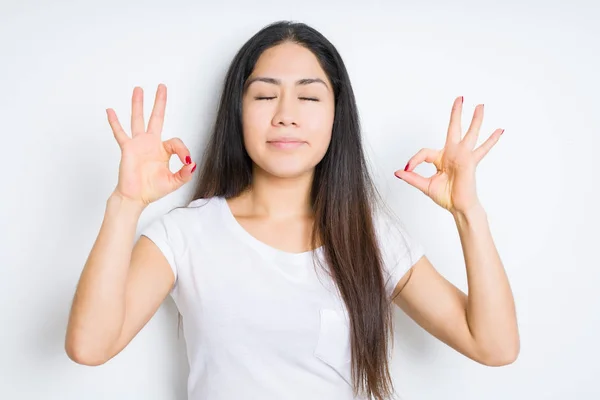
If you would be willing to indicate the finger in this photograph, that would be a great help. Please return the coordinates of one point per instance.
(117, 130)
(155, 125)
(454, 128)
(137, 112)
(486, 146)
(183, 176)
(176, 146)
(414, 179)
(472, 134)
(423, 155)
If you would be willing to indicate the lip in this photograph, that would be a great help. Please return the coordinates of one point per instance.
(286, 142)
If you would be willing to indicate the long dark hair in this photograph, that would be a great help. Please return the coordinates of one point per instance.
(343, 198)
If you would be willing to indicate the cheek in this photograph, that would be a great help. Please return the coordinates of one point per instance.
(319, 124)
(254, 126)
(254, 114)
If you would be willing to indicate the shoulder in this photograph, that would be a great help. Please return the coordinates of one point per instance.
(394, 238)
(180, 220)
(387, 225)
(193, 208)
(399, 249)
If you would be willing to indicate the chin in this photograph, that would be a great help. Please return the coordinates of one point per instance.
(287, 170)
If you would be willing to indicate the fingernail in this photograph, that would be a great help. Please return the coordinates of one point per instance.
(406, 168)
(188, 160)
(502, 131)
(462, 99)
(193, 169)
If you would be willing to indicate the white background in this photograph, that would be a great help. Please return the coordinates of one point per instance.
(534, 65)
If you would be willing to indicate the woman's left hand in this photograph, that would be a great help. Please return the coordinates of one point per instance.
(453, 185)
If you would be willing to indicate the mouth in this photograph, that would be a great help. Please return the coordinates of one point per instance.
(286, 144)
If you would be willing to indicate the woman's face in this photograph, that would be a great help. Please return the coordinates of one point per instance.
(287, 111)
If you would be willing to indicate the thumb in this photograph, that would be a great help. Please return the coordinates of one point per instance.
(183, 176)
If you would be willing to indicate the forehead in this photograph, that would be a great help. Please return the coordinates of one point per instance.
(288, 61)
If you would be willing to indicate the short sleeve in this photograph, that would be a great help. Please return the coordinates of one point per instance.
(400, 251)
(164, 233)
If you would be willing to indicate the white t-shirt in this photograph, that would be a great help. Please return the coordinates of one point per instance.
(261, 323)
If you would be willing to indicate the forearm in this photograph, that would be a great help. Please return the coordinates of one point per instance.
(97, 312)
(490, 310)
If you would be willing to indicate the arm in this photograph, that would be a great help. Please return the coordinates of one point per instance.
(119, 290)
(482, 325)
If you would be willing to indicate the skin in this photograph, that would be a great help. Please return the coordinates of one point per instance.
(123, 283)
(276, 210)
(482, 325)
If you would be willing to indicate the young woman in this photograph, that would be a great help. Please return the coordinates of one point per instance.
(285, 264)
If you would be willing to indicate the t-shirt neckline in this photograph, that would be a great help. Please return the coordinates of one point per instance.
(263, 248)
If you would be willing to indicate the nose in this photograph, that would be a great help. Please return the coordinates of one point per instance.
(285, 114)
(285, 120)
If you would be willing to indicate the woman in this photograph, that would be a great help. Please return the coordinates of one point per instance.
(284, 265)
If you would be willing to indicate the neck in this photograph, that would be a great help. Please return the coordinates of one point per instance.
(274, 197)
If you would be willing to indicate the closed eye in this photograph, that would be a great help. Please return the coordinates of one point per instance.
(301, 98)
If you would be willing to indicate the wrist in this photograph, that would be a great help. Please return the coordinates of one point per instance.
(117, 200)
(469, 215)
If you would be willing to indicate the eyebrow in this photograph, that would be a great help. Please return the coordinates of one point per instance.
(305, 81)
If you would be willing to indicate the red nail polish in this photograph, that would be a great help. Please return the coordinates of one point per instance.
(188, 160)
(406, 168)
(462, 99)
(194, 167)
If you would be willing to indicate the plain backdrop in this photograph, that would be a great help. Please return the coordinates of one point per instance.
(534, 65)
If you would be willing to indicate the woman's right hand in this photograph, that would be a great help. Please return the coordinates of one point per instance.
(144, 174)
